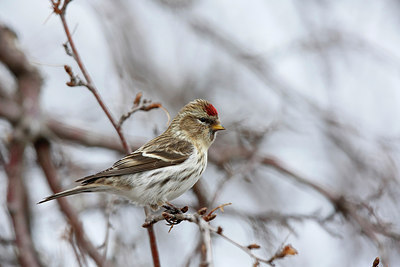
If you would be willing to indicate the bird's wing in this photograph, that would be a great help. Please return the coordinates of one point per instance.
(140, 161)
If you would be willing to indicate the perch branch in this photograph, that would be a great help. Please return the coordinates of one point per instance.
(206, 229)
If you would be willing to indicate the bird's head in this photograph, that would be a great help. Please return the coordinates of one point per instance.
(198, 121)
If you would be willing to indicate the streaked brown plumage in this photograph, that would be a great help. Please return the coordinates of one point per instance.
(165, 167)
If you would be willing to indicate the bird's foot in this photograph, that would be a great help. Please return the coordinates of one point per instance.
(170, 211)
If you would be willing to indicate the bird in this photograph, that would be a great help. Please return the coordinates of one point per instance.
(163, 168)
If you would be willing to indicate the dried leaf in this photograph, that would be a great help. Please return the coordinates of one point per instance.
(288, 250)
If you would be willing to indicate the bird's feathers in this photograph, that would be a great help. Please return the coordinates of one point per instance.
(211, 110)
(142, 160)
(73, 191)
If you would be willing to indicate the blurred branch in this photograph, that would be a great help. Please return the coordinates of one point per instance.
(69, 236)
(352, 210)
(278, 165)
(199, 191)
(29, 83)
(12, 112)
(24, 113)
(42, 147)
(85, 137)
(14, 169)
(355, 211)
(7, 241)
(286, 220)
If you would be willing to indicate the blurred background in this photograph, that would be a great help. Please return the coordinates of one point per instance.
(309, 94)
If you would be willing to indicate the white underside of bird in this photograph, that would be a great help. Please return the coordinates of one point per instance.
(154, 191)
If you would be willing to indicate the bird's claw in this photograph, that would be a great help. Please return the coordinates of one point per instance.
(170, 211)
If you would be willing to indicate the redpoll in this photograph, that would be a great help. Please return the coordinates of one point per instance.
(165, 167)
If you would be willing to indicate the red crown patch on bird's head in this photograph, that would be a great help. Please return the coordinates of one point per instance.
(211, 111)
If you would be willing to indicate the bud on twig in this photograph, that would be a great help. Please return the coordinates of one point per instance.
(208, 218)
(376, 262)
(219, 230)
(184, 209)
(202, 211)
(137, 98)
(253, 246)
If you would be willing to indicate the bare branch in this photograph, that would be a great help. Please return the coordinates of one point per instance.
(42, 147)
(29, 83)
(153, 241)
(69, 236)
(88, 80)
(90, 85)
(205, 229)
(138, 104)
(26, 253)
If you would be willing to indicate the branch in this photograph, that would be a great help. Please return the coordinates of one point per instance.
(42, 148)
(278, 165)
(88, 83)
(206, 229)
(200, 193)
(152, 240)
(84, 137)
(140, 104)
(29, 83)
(26, 253)
(351, 210)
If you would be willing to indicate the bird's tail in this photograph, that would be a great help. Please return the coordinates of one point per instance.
(73, 191)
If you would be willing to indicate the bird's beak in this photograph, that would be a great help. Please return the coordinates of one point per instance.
(217, 127)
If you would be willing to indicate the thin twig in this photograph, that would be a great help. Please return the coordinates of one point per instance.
(109, 211)
(206, 228)
(88, 80)
(139, 104)
(69, 236)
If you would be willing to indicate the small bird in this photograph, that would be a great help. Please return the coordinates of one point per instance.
(165, 167)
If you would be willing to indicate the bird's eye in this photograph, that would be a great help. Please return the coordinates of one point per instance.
(204, 120)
